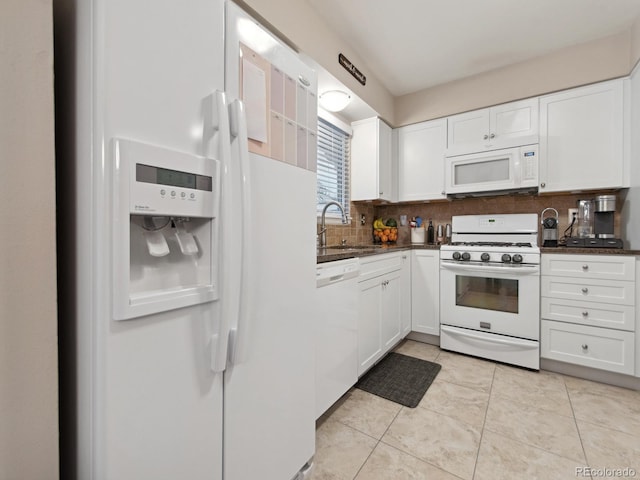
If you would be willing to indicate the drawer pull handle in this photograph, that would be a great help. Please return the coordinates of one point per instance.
(585, 290)
(585, 314)
(585, 347)
(585, 267)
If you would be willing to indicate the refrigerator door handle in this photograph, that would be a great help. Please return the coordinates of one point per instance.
(220, 126)
(239, 336)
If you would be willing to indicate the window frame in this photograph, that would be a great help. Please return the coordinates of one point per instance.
(329, 124)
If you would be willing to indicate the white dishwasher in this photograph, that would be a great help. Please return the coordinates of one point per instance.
(336, 330)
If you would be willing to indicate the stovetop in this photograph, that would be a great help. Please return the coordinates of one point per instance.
(492, 244)
(507, 239)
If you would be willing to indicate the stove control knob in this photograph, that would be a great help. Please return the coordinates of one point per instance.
(485, 257)
(456, 255)
(506, 258)
(466, 256)
(517, 258)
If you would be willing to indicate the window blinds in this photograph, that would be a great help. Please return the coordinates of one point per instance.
(333, 168)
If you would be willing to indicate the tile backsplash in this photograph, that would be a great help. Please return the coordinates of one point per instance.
(441, 213)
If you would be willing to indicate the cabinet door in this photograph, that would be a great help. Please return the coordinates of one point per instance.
(421, 149)
(369, 316)
(372, 172)
(468, 132)
(386, 190)
(503, 126)
(405, 294)
(390, 310)
(581, 139)
(425, 291)
(364, 160)
(513, 124)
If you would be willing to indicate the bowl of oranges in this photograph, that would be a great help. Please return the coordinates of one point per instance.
(385, 231)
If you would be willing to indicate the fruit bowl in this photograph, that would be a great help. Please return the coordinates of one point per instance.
(385, 235)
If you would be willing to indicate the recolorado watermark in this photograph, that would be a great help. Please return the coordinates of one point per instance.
(626, 472)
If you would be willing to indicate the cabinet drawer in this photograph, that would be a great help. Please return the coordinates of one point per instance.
(375, 265)
(608, 315)
(605, 267)
(588, 290)
(594, 347)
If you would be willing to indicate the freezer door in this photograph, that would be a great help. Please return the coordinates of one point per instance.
(144, 401)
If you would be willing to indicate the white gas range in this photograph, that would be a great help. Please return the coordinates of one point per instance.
(490, 288)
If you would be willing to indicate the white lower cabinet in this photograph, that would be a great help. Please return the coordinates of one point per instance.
(425, 291)
(379, 313)
(588, 310)
(595, 347)
(405, 294)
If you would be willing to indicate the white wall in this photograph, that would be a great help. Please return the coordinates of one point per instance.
(572, 66)
(300, 23)
(28, 317)
(635, 42)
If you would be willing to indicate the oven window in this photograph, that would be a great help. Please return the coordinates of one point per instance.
(497, 294)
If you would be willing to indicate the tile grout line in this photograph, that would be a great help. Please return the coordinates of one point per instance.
(484, 422)
(381, 436)
(377, 443)
(408, 453)
(575, 421)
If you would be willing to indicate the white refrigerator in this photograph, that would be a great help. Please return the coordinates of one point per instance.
(186, 243)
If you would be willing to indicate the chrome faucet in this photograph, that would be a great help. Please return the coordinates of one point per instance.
(323, 229)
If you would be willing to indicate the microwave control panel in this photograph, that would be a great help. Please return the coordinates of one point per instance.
(529, 162)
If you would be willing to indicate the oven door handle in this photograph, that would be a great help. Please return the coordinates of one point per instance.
(519, 270)
(496, 338)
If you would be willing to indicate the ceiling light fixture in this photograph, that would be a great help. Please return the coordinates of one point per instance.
(334, 100)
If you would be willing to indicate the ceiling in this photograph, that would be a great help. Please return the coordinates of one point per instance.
(410, 45)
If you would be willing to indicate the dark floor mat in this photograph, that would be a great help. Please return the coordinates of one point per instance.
(400, 378)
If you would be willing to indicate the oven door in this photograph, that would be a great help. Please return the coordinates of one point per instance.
(493, 298)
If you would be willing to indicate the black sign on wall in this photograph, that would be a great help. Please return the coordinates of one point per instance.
(350, 67)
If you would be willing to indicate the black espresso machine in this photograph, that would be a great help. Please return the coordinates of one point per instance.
(596, 224)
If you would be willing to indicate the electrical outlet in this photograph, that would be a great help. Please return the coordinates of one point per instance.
(572, 212)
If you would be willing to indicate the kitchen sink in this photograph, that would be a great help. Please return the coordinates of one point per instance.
(337, 249)
(353, 247)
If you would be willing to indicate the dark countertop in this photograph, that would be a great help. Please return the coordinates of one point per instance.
(330, 254)
(589, 251)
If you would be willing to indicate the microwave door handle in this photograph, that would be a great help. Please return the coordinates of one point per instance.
(520, 271)
(517, 168)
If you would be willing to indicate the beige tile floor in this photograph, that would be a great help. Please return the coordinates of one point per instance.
(482, 420)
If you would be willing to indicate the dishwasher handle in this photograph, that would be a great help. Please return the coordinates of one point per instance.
(324, 278)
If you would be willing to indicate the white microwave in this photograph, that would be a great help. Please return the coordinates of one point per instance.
(495, 171)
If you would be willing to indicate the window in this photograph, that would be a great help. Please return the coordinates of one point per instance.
(333, 168)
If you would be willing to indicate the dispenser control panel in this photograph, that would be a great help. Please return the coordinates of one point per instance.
(171, 183)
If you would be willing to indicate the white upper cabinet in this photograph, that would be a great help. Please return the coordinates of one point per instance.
(582, 139)
(372, 172)
(421, 149)
(503, 126)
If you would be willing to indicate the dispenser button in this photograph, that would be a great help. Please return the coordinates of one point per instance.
(183, 194)
(163, 191)
(173, 193)
(193, 195)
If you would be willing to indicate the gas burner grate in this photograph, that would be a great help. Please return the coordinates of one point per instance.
(492, 244)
